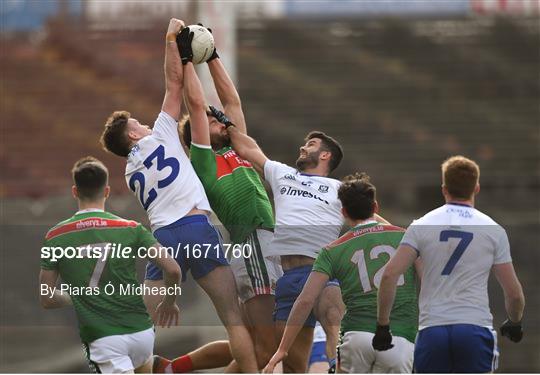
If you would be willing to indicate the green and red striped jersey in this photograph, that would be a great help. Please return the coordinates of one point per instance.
(357, 259)
(234, 190)
(98, 313)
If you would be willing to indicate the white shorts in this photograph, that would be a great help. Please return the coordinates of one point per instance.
(120, 353)
(356, 355)
(257, 274)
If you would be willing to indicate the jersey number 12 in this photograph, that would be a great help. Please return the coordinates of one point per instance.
(359, 259)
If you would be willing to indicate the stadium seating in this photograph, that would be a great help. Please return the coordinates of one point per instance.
(400, 97)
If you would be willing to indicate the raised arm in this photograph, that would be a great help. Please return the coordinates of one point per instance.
(193, 92)
(247, 149)
(299, 313)
(228, 95)
(173, 71)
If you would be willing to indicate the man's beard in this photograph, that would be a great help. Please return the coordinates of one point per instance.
(219, 141)
(309, 161)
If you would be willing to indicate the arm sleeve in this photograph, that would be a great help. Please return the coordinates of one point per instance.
(273, 170)
(502, 249)
(203, 160)
(166, 127)
(411, 237)
(45, 262)
(323, 264)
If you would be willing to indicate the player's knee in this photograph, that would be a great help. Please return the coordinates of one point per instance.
(231, 314)
(232, 318)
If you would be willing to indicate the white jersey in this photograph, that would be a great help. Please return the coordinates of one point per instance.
(458, 246)
(308, 211)
(160, 174)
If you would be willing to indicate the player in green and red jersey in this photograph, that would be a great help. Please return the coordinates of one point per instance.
(94, 253)
(236, 195)
(357, 259)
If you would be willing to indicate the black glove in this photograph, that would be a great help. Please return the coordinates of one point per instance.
(220, 116)
(214, 54)
(382, 339)
(514, 331)
(183, 40)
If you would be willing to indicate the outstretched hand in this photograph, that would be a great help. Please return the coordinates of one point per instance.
(175, 26)
(276, 358)
(167, 315)
(184, 40)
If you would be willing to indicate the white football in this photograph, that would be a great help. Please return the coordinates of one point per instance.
(202, 44)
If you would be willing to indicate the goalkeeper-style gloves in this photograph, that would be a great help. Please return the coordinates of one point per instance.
(382, 339)
(220, 116)
(514, 331)
(183, 40)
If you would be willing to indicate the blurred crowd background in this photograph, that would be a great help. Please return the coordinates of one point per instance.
(401, 84)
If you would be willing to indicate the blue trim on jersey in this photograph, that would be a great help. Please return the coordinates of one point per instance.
(333, 282)
(462, 348)
(313, 175)
(460, 204)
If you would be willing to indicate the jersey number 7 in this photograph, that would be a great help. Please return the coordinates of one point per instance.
(465, 240)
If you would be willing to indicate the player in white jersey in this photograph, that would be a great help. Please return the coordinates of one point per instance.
(308, 216)
(458, 245)
(160, 174)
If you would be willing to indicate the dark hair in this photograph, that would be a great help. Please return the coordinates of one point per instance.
(328, 144)
(185, 130)
(460, 176)
(90, 177)
(357, 195)
(114, 138)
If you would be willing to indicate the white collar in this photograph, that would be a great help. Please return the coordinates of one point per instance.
(85, 211)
